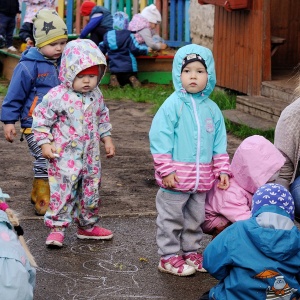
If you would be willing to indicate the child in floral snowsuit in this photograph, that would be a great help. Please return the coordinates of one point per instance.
(69, 125)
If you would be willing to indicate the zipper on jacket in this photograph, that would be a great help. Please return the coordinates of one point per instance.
(198, 145)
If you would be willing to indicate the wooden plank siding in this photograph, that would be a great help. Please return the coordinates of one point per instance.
(285, 23)
(242, 47)
(242, 43)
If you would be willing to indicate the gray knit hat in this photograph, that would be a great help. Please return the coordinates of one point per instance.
(48, 27)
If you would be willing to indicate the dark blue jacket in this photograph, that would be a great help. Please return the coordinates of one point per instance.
(9, 8)
(121, 48)
(105, 21)
(33, 76)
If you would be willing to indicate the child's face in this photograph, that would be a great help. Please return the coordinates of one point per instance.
(194, 77)
(85, 83)
(55, 49)
(152, 25)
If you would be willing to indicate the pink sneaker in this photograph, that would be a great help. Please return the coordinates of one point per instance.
(98, 233)
(195, 260)
(55, 239)
(175, 265)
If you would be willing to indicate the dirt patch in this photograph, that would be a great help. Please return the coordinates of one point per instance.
(128, 185)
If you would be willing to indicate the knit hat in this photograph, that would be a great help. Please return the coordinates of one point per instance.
(120, 20)
(191, 58)
(48, 27)
(93, 70)
(272, 196)
(152, 14)
(86, 8)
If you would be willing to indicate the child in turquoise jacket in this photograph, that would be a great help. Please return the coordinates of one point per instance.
(188, 144)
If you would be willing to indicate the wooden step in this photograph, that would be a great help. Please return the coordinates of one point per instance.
(242, 118)
(260, 106)
(283, 89)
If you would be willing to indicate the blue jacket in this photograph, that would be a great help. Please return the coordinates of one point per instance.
(254, 261)
(188, 134)
(121, 48)
(17, 279)
(105, 20)
(33, 76)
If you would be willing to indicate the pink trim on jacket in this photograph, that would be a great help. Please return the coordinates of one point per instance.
(187, 172)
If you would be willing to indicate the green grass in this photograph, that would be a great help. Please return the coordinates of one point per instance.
(3, 90)
(157, 94)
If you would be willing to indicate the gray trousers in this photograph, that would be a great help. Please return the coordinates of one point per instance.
(179, 222)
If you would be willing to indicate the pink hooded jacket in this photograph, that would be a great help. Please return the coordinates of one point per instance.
(254, 162)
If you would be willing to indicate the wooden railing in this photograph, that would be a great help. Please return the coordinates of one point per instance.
(174, 29)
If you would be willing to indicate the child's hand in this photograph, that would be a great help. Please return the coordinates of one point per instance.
(48, 151)
(9, 132)
(163, 46)
(224, 182)
(29, 42)
(170, 180)
(109, 147)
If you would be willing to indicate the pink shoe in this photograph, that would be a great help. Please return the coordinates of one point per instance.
(175, 265)
(55, 239)
(98, 233)
(195, 260)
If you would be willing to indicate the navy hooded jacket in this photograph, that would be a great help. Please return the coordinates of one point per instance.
(121, 48)
(33, 76)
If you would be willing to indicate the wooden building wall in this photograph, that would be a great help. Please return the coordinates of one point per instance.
(242, 47)
(242, 43)
(285, 23)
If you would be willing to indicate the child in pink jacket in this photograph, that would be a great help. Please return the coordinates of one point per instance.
(255, 162)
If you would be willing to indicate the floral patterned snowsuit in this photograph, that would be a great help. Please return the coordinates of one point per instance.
(74, 123)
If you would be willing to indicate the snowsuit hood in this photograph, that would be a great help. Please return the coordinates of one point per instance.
(206, 54)
(79, 55)
(254, 162)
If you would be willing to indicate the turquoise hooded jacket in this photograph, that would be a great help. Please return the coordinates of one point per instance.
(188, 134)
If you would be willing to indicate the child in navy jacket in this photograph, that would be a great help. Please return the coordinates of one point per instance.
(121, 48)
(33, 77)
(100, 21)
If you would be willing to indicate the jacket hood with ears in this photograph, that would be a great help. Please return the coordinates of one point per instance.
(78, 55)
(207, 55)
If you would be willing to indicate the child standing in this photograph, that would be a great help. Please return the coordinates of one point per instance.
(9, 10)
(188, 144)
(255, 162)
(121, 47)
(144, 26)
(33, 77)
(69, 125)
(258, 258)
(100, 21)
